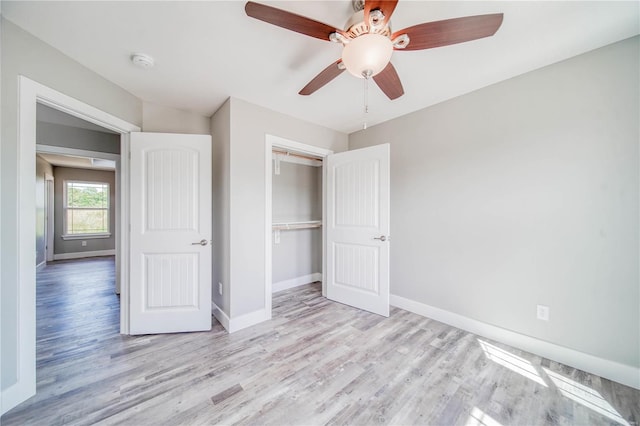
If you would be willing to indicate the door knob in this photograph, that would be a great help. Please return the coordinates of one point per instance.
(381, 238)
(200, 243)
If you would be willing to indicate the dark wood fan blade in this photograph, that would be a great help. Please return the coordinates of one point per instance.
(290, 21)
(328, 74)
(386, 7)
(450, 31)
(389, 82)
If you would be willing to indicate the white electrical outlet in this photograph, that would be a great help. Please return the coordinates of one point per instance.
(220, 288)
(543, 312)
(84, 244)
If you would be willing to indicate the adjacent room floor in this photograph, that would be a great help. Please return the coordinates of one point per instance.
(316, 362)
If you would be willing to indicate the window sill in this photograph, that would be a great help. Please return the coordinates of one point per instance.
(85, 236)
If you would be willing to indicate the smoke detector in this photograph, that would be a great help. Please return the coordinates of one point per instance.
(141, 60)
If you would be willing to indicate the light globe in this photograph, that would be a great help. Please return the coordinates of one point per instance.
(367, 55)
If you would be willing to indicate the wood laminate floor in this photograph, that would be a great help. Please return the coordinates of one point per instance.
(316, 362)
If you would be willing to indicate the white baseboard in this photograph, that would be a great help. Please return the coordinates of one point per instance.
(81, 254)
(15, 394)
(247, 320)
(220, 315)
(295, 282)
(621, 373)
(243, 321)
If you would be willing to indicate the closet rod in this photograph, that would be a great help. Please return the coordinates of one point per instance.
(293, 154)
(285, 226)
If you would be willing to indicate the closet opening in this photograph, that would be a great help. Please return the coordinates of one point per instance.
(295, 216)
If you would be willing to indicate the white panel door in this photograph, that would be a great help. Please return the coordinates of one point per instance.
(170, 252)
(357, 225)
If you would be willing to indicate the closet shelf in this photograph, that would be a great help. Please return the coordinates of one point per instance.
(284, 226)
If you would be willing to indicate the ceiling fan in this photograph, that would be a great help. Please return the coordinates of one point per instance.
(368, 41)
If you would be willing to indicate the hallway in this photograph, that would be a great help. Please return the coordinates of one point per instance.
(76, 306)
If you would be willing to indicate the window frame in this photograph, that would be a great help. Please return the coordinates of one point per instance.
(65, 226)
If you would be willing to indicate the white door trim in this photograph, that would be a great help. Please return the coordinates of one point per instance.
(51, 149)
(30, 93)
(271, 142)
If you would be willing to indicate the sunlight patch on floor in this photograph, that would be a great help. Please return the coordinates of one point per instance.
(480, 418)
(585, 396)
(511, 361)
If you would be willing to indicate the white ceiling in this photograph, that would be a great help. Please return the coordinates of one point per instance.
(207, 51)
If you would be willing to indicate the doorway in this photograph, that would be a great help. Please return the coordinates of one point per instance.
(30, 94)
(76, 282)
(355, 223)
(295, 227)
(82, 159)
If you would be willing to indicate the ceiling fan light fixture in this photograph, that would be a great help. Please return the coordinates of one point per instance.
(367, 55)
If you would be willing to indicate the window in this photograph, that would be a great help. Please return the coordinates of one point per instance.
(86, 210)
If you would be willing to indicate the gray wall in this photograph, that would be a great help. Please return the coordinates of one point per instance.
(296, 193)
(42, 168)
(244, 152)
(162, 119)
(523, 193)
(23, 54)
(249, 125)
(61, 174)
(74, 137)
(297, 196)
(221, 146)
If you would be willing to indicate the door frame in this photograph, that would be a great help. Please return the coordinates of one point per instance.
(293, 146)
(29, 94)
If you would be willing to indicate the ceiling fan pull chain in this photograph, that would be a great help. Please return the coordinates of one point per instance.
(366, 96)
(366, 101)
